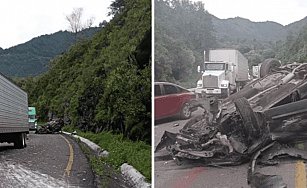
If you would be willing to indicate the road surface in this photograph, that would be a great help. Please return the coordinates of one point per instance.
(196, 175)
(49, 160)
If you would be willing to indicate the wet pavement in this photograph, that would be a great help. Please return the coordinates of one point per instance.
(44, 163)
(51, 160)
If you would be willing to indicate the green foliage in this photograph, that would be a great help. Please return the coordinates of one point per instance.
(294, 49)
(137, 154)
(183, 30)
(103, 83)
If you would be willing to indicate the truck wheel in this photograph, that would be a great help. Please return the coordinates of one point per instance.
(225, 92)
(25, 138)
(248, 116)
(267, 66)
(20, 141)
(185, 111)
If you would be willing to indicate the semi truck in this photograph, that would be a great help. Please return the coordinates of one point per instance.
(32, 118)
(14, 125)
(223, 72)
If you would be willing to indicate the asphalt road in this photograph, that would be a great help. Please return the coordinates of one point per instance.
(196, 175)
(49, 160)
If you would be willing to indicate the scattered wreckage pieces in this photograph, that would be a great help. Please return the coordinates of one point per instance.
(243, 134)
(268, 155)
(268, 111)
(51, 127)
(258, 180)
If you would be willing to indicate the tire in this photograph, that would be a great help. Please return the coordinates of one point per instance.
(295, 96)
(250, 124)
(20, 141)
(192, 121)
(267, 66)
(225, 92)
(185, 112)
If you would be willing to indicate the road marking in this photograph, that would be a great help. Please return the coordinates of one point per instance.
(189, 178)
(71, 158)
(300, 175)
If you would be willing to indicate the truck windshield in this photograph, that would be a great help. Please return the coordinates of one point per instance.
(214, 66)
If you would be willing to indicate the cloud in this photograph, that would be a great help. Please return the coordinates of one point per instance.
(280, 11)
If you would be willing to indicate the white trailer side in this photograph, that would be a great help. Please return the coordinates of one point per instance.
(242, 67)
(13, 113)
(233, 57)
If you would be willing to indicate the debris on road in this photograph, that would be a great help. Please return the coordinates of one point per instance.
(259, 123)
(54, 126)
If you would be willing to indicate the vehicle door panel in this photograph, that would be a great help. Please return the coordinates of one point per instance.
(171, 103)
(159, 98)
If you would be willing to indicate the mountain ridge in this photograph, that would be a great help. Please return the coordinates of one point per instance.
(242, 28)
(32, 58)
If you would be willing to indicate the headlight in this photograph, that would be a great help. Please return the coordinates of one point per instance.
(224, 85)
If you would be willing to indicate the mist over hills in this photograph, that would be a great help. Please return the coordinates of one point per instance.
(241, 28)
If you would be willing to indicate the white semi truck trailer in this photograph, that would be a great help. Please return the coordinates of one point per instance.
(13, 113)
(224, 72)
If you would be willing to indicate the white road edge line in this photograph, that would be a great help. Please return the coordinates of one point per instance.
(128, 171)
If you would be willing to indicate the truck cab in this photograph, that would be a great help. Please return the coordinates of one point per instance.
(32, 118)
(215, 78)
(223, 72)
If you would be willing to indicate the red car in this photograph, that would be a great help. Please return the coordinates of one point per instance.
(172, 100)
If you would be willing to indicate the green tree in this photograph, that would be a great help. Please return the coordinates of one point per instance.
(181, 38)
(104, 83)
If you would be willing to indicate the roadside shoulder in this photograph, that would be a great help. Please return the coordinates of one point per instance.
(133, 176)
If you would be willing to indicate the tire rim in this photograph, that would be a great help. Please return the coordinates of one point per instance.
(23, 139)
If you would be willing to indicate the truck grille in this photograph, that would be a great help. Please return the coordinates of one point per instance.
(210, 81)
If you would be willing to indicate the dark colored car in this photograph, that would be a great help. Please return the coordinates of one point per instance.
(173, 100)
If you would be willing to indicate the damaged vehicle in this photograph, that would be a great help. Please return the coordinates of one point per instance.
(51, 127)
(258, 123)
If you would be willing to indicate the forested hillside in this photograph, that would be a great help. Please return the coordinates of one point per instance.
(32, 57)
(294, 49)
(103, 84)
(243, 29)
(184, 29)
(240, 28)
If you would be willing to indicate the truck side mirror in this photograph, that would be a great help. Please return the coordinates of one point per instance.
(198, 68)
(231, 67)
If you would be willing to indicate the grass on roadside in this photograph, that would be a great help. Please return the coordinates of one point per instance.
(122, 150)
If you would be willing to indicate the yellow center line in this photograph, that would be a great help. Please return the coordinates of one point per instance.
(71, 158)
(300, 175)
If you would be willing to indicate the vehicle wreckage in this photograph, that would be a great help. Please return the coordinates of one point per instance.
(259, 123)
(51, 127)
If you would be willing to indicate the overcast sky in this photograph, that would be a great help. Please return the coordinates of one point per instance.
(280, 11)
(22, 20)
